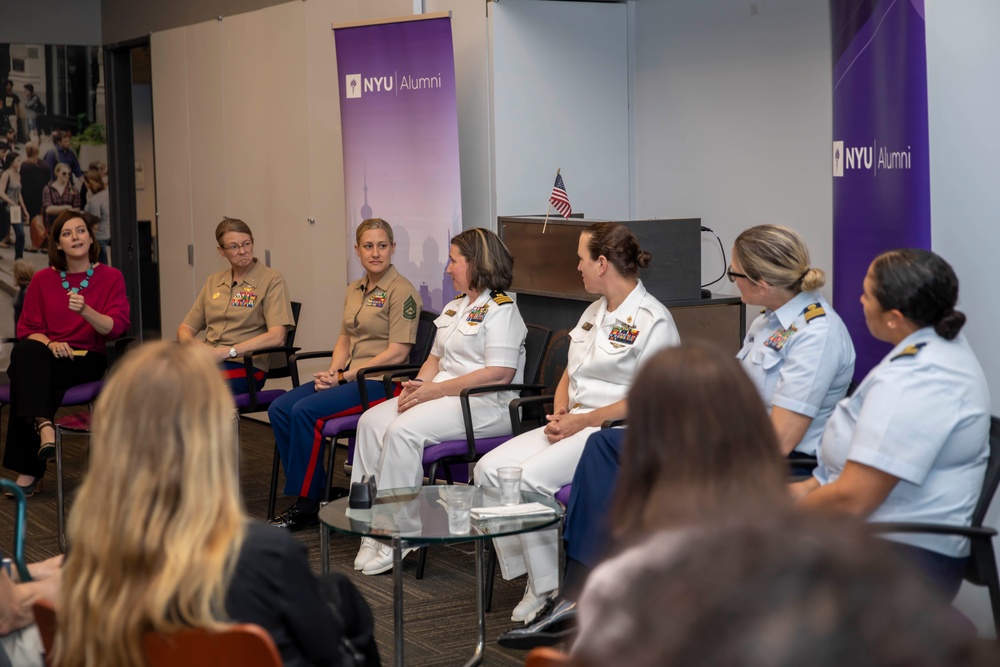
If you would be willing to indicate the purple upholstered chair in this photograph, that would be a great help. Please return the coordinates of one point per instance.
(471, 449)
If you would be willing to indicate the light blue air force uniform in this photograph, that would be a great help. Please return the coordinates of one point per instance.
(922, 415)
(801, 358)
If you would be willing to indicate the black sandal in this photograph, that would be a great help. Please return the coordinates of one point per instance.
(47, 450)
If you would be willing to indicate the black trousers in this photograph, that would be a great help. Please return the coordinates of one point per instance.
(38, 382)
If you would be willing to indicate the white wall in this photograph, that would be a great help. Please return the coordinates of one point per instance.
(560, 99)
(472, 90)
(963, 59)
(732, 119)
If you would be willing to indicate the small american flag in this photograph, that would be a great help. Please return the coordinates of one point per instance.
(559, 198)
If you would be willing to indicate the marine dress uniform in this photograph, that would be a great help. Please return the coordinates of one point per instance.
(922, 415)
(232, 312)
(605, 352)
(471, 335)
(374, 316)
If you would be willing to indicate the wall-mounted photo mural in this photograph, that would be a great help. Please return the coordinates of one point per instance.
(53, 156)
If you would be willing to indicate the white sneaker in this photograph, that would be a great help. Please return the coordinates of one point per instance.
(369, 548)
(529, 606)
(382, 561)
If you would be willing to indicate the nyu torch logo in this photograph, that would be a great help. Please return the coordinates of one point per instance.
(874, 158)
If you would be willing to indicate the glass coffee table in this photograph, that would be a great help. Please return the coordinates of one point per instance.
(418, 517)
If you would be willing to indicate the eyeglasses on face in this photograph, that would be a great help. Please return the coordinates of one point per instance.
(733, 275)
(236, 247)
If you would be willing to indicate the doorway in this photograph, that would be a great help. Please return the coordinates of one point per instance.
(133, 168)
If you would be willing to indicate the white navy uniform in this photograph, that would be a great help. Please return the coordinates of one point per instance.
(922, 415)
(605, 352)
(801, 358)
(471, 335)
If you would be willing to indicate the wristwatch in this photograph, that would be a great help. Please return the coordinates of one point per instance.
(232, 352)
(340, 376)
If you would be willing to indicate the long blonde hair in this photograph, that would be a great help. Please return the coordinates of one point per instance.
(158, 522)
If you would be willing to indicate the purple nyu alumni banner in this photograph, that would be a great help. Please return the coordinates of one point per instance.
(400, 133)
(881, 177)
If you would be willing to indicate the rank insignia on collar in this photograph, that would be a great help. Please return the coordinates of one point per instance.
(813, 311)
(909, 351)
(587, 326)
(449, 313)
(216, 295)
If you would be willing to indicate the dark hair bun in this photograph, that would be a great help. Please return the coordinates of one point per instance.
(950, 324)
(643, 259)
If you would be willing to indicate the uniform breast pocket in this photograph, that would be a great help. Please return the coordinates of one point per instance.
(470, 328)
(443, 320)
(579, 335)
(613, 348)
(744, 351)
(767, 358)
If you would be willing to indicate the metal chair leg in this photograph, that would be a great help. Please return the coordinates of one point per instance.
(324, 544)
(236, 436)
(60, 497)
(272, 495)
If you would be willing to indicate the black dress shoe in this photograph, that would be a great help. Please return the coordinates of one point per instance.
(294, 519)
(552, 628)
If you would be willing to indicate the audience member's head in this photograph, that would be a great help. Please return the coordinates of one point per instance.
(9, 160)
(94, 182)
(158, 521)
(698, 439)
(781, 592)
(31, 153)
(23, 272)
(30, 88)
(777, 256)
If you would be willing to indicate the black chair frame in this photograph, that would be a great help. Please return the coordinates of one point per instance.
(981, 569)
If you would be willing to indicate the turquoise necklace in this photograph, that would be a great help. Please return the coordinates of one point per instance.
(83, 283)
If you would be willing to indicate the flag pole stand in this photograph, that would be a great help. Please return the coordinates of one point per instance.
(549, 210)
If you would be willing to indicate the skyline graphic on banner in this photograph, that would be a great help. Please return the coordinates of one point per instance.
(399, 123)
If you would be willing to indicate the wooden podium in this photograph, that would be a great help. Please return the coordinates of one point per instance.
(550, 292)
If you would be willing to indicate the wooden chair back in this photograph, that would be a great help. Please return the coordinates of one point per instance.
(242, 645)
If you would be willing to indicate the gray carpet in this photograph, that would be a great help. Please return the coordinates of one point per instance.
(440, 616)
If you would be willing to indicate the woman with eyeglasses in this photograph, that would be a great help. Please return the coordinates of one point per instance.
(798, 354)
(241, 309)
(59, 195)
(798, 351)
